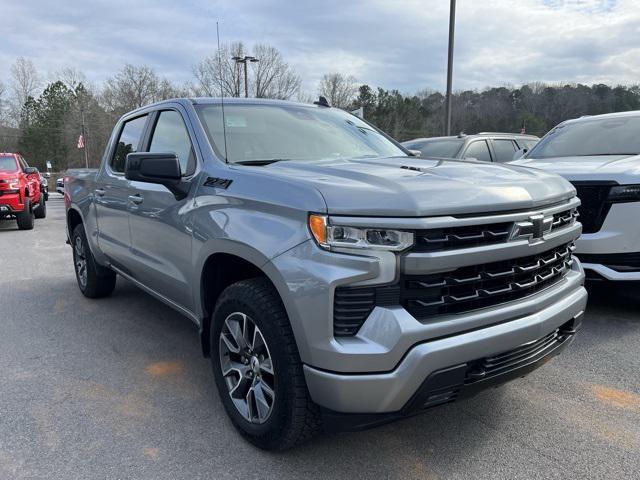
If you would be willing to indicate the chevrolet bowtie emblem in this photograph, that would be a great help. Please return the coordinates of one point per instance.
(533, 229)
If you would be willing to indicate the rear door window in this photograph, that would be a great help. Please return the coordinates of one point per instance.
(128, 142)
(503, 150)
(478, 150)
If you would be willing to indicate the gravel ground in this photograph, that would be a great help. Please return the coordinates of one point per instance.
(117, 388)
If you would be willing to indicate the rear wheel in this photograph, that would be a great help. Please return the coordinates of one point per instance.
(257, 367)
(94, 280)
(25, 217)
(41, 211)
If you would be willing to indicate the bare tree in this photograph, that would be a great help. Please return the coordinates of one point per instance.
(273, 77)
(134, 87)
(71, 77)
(167, 90)
(219, 73)
(270, 77)
(340, 90)
(25, 80)
(3, 102)
(25, 83)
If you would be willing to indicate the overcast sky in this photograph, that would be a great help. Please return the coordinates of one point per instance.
(389, 43)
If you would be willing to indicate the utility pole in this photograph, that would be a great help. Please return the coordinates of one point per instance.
(452, 24)
(84, 140)
(244, 60)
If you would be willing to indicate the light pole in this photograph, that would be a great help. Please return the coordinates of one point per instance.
(452, 25)
(244, 60)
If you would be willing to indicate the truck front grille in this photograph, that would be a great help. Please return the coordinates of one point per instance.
(482, 286)
(457, 291)
(461, 237)
(451, 238)
(595, 207)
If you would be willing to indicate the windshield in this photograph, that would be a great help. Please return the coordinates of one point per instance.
(602, 136)
(447, 148)
(257, 133)
(8, 164)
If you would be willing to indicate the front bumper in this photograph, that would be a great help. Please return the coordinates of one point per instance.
(10, 204)
(598, 271)
(464, 380)
(615, 245)
(392, 391)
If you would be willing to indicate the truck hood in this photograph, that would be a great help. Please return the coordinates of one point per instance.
(623, 169)
(407, 186)
(5, 174)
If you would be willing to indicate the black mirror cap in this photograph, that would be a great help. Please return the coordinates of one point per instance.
(160, 168)
(30, 170)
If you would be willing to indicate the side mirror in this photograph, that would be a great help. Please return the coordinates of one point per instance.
(30, 170)
(46, 175)
(160, 168)
(415, 153)
(520, 154)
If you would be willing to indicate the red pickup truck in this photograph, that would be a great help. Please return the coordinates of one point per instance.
(20, 193)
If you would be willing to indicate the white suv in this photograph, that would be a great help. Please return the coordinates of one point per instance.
(600, 155)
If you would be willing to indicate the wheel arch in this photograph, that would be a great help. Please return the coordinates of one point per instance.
(74, 218)
(222, 268)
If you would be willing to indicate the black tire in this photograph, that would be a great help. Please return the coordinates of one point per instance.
(41, 211)
(94, 281)
(294, 417)
(25, 218)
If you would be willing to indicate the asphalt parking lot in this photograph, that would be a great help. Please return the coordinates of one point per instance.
(117, 388)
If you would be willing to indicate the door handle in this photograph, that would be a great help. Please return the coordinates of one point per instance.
(137, 199)
(100, 192)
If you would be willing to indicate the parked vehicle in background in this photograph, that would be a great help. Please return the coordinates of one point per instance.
(60, 185)
(486, 146)
(600, 155)
(44, 187)
(337, 282)
(21, 197)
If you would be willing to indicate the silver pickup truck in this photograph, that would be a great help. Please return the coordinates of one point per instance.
(337, 281)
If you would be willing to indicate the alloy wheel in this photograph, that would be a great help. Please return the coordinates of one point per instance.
(247, 368)
(80, 261)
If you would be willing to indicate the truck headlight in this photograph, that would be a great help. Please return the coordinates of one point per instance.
(338, 236)
(624, 193)
(13, 182)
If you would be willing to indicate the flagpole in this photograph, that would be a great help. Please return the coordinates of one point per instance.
(84, 140)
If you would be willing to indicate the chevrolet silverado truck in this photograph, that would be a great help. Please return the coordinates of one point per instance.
(21, 196)
(337, 282)
(600, 156)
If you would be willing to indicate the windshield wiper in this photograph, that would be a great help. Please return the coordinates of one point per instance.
(261, 162)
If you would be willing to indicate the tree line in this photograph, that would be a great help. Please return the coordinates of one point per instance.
(43, 119)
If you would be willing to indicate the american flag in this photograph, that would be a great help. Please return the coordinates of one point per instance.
(81, 141)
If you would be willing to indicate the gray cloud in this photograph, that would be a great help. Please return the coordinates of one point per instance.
(394, 44)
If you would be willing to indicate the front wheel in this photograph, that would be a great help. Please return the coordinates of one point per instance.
(25, 217)
(94, 280)
(257, 367)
